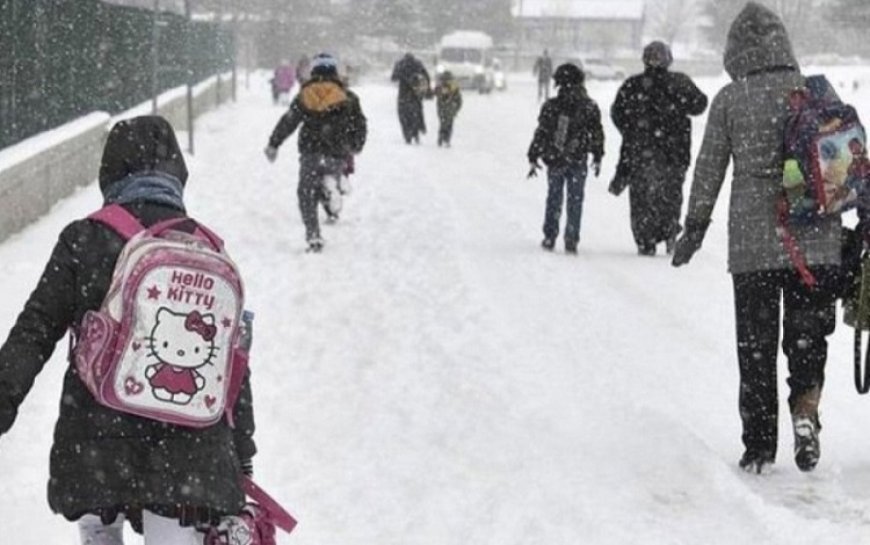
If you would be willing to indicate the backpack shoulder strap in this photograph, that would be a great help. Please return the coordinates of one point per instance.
(119, 220)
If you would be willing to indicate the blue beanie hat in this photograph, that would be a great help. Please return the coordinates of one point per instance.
(324, 64)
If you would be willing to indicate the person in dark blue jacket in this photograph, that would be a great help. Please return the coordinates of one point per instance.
(569, 132)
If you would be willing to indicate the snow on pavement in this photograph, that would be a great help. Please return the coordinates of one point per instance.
(435, 378)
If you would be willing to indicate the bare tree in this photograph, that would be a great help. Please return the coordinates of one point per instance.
(666, 19)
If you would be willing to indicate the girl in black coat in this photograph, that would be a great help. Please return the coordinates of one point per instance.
(108, 466)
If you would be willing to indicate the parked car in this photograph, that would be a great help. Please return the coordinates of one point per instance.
(499, 80)
(594, 67)
(601, 69)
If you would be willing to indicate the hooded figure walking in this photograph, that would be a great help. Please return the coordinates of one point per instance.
(108, 466)
(414, 86)
(746, 125)
(569, 131)
(651, 112)
(333, 130)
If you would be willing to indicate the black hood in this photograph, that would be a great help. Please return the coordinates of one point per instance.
(757, 41)
(139, 145)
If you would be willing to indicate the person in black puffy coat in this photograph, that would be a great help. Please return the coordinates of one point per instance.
(107, 466)
(652, 112)
(334, 129)
(569, 131)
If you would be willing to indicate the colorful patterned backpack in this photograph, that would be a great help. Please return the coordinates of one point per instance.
(826, 169)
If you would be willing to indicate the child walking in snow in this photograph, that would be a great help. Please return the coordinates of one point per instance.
(569, 131)
(109, 466)
(448, 100)
(333, 130)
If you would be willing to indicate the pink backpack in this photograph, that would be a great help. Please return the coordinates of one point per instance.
(164, 343)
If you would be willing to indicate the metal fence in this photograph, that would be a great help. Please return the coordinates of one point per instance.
(60, 59)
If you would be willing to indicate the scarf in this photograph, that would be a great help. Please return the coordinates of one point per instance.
(154, 187)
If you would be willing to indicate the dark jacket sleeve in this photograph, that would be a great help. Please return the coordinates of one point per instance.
(47, 315)
(358, 125)
(287, 124)
(596, 133)
(243, 414)
(689, 98)
(619, 110)
(544, 132)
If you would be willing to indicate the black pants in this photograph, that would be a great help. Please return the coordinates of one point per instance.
(445, 130)
(411, 117)
(310, 191)
(656, 198)
(808, 317)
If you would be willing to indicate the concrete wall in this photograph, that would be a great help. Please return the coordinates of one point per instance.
(38, 172)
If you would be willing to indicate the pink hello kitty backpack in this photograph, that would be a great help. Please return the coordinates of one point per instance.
(165, 342)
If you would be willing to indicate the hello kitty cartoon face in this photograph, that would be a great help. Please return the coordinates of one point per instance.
(183, 340)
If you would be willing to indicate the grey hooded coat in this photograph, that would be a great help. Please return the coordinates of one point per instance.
(746, 125)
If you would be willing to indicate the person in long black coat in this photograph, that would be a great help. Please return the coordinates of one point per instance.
(414, 86)
(652, 112)
(106, 465)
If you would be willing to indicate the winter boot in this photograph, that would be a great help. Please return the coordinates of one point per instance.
(315, 246)
(548, 244)
(571, 247)
(757, 462)
(805, 421)
(648, 250)
(331, 196)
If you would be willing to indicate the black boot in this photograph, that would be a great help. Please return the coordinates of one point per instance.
(548, 244)
(570, 246)
(755, 461)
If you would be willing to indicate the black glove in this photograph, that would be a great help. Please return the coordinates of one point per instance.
(534, 167)
(247, 467)
(596, 166)
(7, 416)
(271, 153)
(690, 242)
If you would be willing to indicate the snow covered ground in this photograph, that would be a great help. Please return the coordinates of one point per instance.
(434, 378)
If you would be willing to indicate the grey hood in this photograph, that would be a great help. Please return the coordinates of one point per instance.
(757, 41)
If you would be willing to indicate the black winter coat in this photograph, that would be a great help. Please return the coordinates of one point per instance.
(569, 129)
(412, 77)
(332, 120)
(104, 461)
(652, 112)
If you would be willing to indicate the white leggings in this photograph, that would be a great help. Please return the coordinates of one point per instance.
(158, 531)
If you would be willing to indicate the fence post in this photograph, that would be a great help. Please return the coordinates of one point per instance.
(189, 58)
(155, 61)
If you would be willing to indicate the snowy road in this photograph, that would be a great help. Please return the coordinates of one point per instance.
(434, 378)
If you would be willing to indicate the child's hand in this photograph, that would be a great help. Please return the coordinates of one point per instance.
(271, 153)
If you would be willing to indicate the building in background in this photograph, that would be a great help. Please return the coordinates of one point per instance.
(599, 28)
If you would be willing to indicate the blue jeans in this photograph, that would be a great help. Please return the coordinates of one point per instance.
(570, 178)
